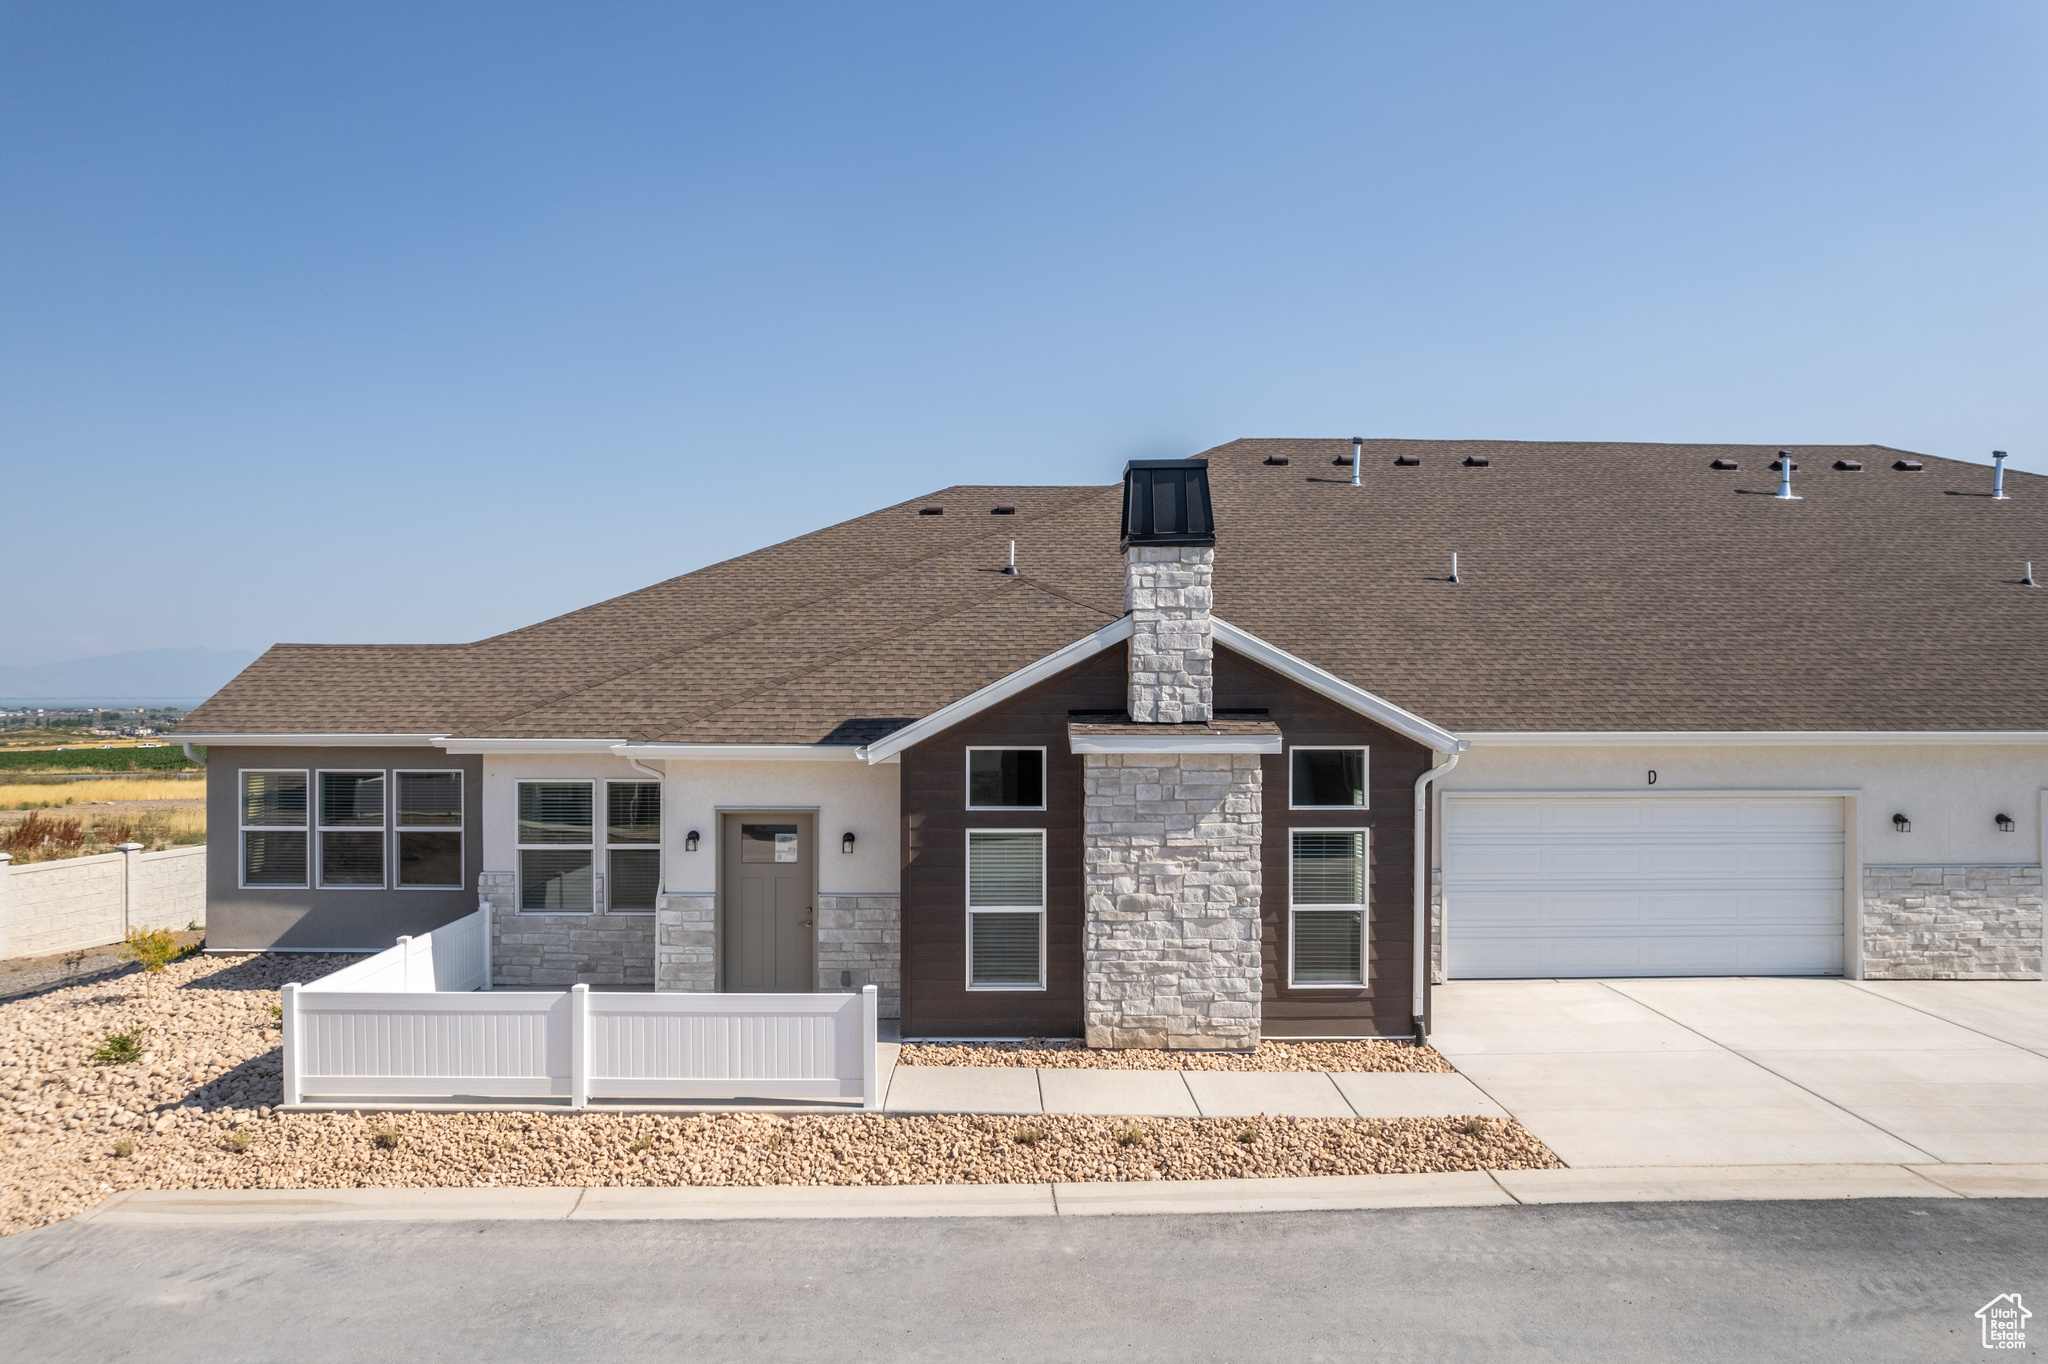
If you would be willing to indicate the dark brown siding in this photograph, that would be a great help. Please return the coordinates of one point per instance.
(936, 1000)
(1392, 765)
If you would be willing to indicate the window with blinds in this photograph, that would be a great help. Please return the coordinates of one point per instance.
(1006, 909)
(351, 828)
(1326, 916)
(557, 847)
(429, 819)
(633, 845)
(274, 829)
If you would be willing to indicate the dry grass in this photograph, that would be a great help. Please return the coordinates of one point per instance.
(45, 795)
(51, 836)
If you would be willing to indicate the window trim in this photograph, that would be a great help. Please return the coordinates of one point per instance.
(1364, 981)
(244, 829)
(460, 828)
(1364, 774)
(967, 775)
(971, 909)
(657, 846)
(320, 831)
(600, 887)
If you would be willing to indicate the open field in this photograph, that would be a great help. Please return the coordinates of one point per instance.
(131, 758)
(53, 835)
(45, 795)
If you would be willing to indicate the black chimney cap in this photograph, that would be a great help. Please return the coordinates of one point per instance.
(1166, 502)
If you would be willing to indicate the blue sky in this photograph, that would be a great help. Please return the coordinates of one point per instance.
(422, 321)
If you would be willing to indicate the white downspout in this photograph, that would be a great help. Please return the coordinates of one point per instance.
(1418, 1004)
(619, 750)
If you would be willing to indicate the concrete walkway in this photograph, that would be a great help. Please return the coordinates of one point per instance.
(1753, 1072)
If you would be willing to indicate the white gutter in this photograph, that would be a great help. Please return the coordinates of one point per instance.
(1207, 743)
(314, 740)
(740, 752)
(1778, 738)
(1419, 995)
(527, 745)
(620, 749)
(194, 757)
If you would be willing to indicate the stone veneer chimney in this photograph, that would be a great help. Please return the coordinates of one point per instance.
(1170, 938)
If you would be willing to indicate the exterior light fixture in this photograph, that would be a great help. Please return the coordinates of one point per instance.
(2006, 824)
(846, 843)
(1902, 824)
(690, 841)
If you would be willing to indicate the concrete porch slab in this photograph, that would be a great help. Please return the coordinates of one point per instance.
(963, 1089)
(887, 1200)
(1472, 1188)
(1680, 1184)
(1249, 1093)
(1117, 1093)
(1396, 1095)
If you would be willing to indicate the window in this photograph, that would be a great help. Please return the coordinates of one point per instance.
(351, 824)
(1326, 916)
(1006, 909)
(557, 871)
(1006, 779)
(429, 818)
(632, 835)
(274, 829)
(1327, 779)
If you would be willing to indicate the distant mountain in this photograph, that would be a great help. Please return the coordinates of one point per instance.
(140, 677)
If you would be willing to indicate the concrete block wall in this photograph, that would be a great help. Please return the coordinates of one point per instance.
(1952, 922)
(80, 902)
(560, 950)
(1170, 939)
(860, 943)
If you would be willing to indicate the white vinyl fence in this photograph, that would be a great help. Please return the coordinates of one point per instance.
(79, 902)
(404, 1025)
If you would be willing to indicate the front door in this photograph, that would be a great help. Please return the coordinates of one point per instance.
(770, 872)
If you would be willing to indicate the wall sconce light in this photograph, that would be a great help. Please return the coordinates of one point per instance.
(846, 843)
(1902, 824)
(690, 841)
(2006, 824)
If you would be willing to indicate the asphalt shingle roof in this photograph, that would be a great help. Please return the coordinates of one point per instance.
(1605, 586)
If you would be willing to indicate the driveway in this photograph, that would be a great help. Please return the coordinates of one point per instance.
(1760, 1071)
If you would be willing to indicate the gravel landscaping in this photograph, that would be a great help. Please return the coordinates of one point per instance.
(1343, 1057)
(195, 1112)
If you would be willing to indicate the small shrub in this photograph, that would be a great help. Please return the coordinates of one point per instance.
(238, 1141)
(155, 948)
(385, 1137)
(1475, 1127)
(641, 1144)
(124, 1147)
(1025, 1136)
(1248, 1136)
(120, 1048)
(1131, 1136)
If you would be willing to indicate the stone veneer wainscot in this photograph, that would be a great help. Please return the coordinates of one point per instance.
(1952, 923)
(561, 950)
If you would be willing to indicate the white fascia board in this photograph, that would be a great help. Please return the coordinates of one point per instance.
(529, 745)
(1141, 743)
(1336, 688)
(309, 740)
(1780, 738)
(773, 753)
(1031, 674)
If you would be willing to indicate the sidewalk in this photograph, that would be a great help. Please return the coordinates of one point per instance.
(1478, 1188)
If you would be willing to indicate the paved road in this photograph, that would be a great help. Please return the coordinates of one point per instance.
(1855, 1280)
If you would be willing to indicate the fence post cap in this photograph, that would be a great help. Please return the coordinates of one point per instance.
(129, 847)
(580, 985)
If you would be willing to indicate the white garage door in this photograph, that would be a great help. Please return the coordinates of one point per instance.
(1649, 886)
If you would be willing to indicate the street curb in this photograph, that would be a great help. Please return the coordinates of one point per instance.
(1330, 1193)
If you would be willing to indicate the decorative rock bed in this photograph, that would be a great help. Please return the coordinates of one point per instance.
(1343, 1057)
(194, 1112)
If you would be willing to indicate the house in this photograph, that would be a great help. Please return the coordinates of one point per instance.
(1252, 745)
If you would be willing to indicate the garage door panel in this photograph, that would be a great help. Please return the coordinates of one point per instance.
(1596, 886)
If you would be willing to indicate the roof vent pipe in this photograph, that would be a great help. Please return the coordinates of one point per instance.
(1998, 477)
(2027, 581)
(1357, 459)
(1785, 493)
(1454, 567)
(1012, 569)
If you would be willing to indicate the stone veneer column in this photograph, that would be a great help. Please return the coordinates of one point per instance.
(686, 942)
(1170, 941)
(1952, 923)
(1167, 595)
(860, 943)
